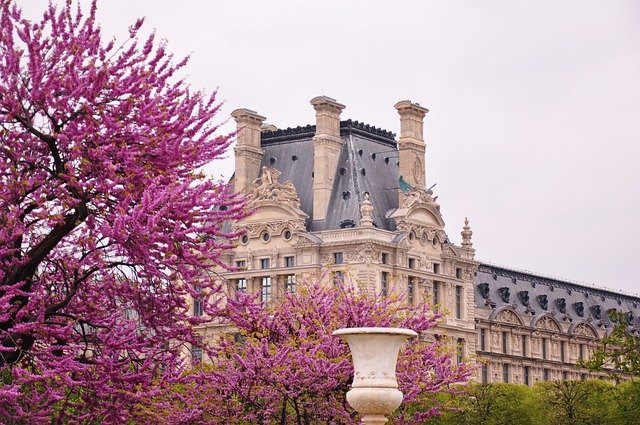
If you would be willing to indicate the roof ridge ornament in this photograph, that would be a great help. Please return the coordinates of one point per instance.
(466, 234)
(366, 211)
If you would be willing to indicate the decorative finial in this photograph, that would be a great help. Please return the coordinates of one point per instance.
(366, 211)
(466, 234)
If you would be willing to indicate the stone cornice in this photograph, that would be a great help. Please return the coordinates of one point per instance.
(294, 134)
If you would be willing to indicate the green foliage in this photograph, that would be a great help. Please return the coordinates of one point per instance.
(620, 350)
(625, 405)
(492, 404)
(575, 402)
(547, 403)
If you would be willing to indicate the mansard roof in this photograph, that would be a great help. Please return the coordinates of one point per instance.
(535, 296)
(368, 162)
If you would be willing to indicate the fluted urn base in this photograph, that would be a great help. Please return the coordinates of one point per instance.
(374, 403)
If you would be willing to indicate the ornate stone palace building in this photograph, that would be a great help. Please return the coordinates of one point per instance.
(345, 201)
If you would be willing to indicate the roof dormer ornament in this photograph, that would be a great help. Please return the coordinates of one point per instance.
(366, 211)
(466, 234)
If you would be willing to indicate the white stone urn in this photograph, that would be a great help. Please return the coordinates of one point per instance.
(374, 392)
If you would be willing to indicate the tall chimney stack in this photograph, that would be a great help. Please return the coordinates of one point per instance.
(411, 146)
(326, 149)
(247, 151)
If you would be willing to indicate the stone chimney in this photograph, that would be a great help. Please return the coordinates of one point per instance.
(326, 149)
(411, 146)
(247, 151)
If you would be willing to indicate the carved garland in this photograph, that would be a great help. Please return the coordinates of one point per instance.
(421, 232)
(366, 253)
(273, 227)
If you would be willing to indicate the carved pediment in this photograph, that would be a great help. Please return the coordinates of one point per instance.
(276, 206)
(548, 323)
(508, 316)
(268, 188)
(584, 329)
(419, 206)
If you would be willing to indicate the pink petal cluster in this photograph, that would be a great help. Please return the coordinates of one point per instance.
(106, 222)
(284, 366)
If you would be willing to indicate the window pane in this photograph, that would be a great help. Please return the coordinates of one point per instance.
(265, 294)
(291, 283)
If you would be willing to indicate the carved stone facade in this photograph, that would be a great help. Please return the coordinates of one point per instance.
(541, 333)
(325, 207)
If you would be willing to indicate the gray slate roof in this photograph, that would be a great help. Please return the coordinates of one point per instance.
(580, 302)
(368, 162)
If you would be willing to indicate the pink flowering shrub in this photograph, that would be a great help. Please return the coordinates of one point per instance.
(105, 220)
(284, 366)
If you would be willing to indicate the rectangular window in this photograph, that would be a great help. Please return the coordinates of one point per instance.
(458, 302)
(564, 375)
(505, 342)
(483, 339)
(338, 257)
(412, 263)
(563, 349)
(290, 283)
(485, 373)
(241, 285)
(436, 295)
(196, 353)
(410, 289)
(526, 375)
(544, 348)
(458, 273)
(384, 284)
(505, 373)
(385, 258)
(197, 303)
(545, 374)
(289, 261)
(241, 264)
(460, 348)
(265, 293)
(264, 263)
(197, 307)
(436, 268)
(524, 345)
(338, 278)
(581, 352)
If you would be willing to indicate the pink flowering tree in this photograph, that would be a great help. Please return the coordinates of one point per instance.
(283, 366)
(106, 221)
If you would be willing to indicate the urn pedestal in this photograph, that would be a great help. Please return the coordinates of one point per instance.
(374, 392)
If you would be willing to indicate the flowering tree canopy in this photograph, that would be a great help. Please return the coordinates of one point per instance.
(106, 222)
(285, 367)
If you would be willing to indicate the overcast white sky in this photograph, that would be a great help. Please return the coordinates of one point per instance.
(534, 123)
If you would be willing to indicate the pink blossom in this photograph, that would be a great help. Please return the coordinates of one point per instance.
(105, 222)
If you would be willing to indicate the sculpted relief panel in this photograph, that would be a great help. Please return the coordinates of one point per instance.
(547, 323)
(508, 316)
(267, 187)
